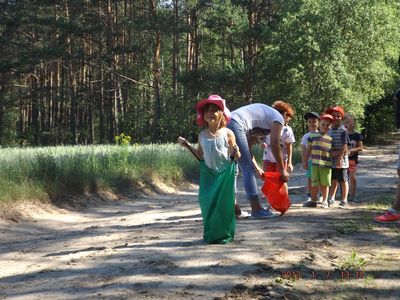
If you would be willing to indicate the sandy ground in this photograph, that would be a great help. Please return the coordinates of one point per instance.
(151, 247)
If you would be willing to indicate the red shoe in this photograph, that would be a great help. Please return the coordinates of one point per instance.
(388, 217)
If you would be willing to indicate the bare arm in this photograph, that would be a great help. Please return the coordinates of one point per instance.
(289, 149)
(234, 150)
(259, 171)
(340, 155)
(358, 148)
(198, 153)
(306, 156)
(303, 154)
(276, 130)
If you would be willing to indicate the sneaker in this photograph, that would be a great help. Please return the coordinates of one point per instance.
(353, 199)
(320, 199)
(243, 215)
(342, 204)
(388, 217)
(331, 202)
(310, 204)
(262, 213)
(325, 204)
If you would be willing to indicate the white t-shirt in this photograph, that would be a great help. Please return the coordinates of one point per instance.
(257, 115)
(287, 137)
(305, 137)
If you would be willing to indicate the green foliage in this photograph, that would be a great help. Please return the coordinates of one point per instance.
(122, 139)
(353, 262)
(311, 53)
(379, 118)
(333, 53)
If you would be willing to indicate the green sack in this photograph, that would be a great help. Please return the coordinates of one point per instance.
(217, 203)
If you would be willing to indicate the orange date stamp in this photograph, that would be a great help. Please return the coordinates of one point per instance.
(323, 275)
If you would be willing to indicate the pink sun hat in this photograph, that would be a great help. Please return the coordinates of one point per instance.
(213, 99)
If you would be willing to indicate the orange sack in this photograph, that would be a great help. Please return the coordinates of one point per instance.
(275, 192)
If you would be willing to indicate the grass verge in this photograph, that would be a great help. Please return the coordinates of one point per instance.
(47, 172)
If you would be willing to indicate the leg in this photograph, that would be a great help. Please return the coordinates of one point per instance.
(246, 166)
(324, 191)
(343, 179)
(393, 214)
(333, 189)
(308, 174)
(334, 184)
(314, 193)
(353, 184)
(352, 179)
(309, 186)
(314, 188)
(396, 204)
(345, 190)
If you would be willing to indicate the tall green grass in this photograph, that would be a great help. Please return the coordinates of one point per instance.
(52, 171)
(46, 172)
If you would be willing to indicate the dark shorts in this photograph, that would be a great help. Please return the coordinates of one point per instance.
(341, 175)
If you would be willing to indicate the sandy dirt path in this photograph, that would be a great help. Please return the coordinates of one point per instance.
(151, 248)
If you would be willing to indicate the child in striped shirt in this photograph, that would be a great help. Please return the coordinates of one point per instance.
(318, 148)
(339, 155)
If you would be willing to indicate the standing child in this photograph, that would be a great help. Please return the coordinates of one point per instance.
(392, 215)
(287, 140)
(340, 158)
(318, 149)
(312, 120)
(216, 151)
(356, 146)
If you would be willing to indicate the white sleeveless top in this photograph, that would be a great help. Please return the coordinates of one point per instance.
(215, 149)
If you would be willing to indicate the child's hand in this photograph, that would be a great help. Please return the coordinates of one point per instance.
(259, 172)
(290, 168)
(183, 142)
(339, 163)
(257, 168)
(234, 152)
(284, 175)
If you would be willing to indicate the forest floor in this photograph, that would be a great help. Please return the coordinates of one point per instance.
(151, 247)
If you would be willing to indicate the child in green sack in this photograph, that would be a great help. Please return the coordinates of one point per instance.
(216, 151)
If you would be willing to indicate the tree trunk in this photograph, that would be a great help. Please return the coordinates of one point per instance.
(35, 109)
(175, 49)
(156, 75)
